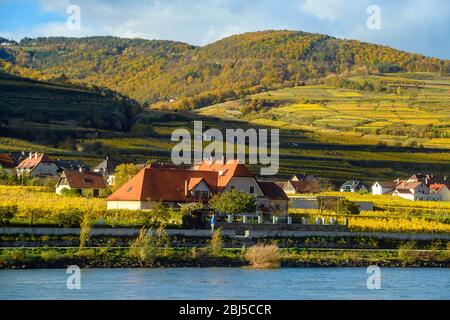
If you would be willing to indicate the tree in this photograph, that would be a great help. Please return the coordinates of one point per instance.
(233, 202)
(123, 174)
(347, 207)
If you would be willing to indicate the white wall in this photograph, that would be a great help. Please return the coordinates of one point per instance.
(243, 184)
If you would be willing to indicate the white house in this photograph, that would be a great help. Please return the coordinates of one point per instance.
(415, 191)
(175, 186)
(38, 165)
(440, 189)
(86, 183)
(384, 187)
(353, 186)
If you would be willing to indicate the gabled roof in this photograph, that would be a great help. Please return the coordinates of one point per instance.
(72, 165)
(272, 191)
(437, 187)
(164, 184)
(226, 171)
(7, 161)
(388, 184)
(352, 183)
(107, 166)
(300, 186)
(33, 160)
(83, 180)
(303, 177)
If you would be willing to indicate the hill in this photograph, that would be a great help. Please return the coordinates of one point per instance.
(158, 71)
(50, 111)
(409, 110)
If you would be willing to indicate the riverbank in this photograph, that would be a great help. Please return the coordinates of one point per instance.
(49, 258)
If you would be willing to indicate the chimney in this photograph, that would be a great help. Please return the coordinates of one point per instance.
(36, 155)
(30, 155)
(81, 169)
(186, 188)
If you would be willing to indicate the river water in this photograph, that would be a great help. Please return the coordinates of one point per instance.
(226, 283)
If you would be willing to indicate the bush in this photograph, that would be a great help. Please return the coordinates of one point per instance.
(50, 255)
(262, 256)
(71, 217)
(142, 248)
(7, 213)
(406, 253)
(71, 192)
(215, 245)
(347, 207)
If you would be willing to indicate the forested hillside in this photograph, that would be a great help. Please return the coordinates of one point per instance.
(155, 72)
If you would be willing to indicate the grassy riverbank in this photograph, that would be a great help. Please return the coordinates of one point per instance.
(183, 257)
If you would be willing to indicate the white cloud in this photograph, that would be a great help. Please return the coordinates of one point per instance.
(333, 10)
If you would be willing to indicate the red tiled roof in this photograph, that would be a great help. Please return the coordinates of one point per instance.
(164, 184)
(437, 186)
(84, 180)
(272, 190)
(226, 171)
(7, 161)
(33, 160)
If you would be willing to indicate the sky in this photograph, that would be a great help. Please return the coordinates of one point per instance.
(421, 26)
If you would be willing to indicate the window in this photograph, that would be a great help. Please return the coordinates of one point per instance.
(95, 193)
(252, 189)
(233, 188)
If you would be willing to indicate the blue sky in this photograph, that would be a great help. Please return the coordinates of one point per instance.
(420, 26)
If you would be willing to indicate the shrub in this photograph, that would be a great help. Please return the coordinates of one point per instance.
(406, 253)
(7, 213)
(215, 245)
(348, 207)
(71, 192)
(142, 248)
(263, 256)
(71, 217)
(85, 229)
(50, 255)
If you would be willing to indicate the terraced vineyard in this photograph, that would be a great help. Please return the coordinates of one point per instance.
(348, 133)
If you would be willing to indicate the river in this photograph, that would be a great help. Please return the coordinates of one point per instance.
(226, 283)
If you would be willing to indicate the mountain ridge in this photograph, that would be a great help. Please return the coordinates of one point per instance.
(157, 71)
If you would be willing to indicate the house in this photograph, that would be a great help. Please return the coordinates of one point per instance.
(72, 165)
(305, 177)
(88, 184)
(301, 183)
(384, 187)
(233, 175)
(412, 191)
(443, 190)
(175, 185)
(353, 186)
(38, 165)
(418, 187)
(294, 187)
(106, 169)
(8, 163)
(276, 199)
(172, 186)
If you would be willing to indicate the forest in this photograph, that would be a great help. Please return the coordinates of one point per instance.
(174, 75)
